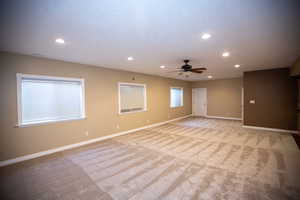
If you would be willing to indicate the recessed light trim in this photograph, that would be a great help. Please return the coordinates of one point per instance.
(60, 41)
(225, 54)
(237, 66)
(206, 36)
(162, 66)
(210, 77)
(130, 58)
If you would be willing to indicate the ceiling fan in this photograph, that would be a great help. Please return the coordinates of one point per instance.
(189, 68)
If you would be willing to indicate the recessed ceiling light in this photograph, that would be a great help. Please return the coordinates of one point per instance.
(162, 67)
(226, 54)
(60, 41)
(205, 36)
(130, 58)
(237, 66)
(209, 76)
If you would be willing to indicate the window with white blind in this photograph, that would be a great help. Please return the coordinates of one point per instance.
(132, 98)
(176, 97)
(43, 99)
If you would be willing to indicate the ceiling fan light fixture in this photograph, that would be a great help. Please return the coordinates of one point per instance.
(188, 70)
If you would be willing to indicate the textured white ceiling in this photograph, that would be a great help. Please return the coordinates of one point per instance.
(260, 34)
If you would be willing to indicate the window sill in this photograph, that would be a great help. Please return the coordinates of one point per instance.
(130, 112)
(48, 122)
(176, 106)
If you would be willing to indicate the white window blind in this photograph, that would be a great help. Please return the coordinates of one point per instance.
(176, 97)
(49, 99)
(132, 97)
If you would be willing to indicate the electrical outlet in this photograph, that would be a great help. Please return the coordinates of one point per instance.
(252, 101)
(118, 127)
(86, 133)
(148, 120)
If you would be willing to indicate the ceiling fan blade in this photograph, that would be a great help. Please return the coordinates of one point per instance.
(199, 72)
(178, 70)
(200, 68)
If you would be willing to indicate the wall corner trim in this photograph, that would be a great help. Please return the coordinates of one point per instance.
(71, 146)
(228, 118)
(271, 129)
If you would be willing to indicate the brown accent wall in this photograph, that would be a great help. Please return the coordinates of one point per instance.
(298, 110)
(275, 95)
(224, 97)
(101, 95)
(295, 69)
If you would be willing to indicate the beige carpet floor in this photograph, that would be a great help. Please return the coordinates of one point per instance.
(195, 158)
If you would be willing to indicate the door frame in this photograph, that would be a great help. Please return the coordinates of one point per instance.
(242, 105)
(193, 96)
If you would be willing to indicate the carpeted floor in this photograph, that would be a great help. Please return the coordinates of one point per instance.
(195, 158)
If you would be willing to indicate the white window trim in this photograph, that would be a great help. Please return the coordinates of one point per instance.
(119, 97)
(182, 104)
(52, 78)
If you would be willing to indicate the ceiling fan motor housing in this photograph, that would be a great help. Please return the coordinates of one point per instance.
(186, 67)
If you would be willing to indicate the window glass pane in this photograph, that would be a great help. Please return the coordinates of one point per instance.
(131, 98)
(44, 100)
(176, 97)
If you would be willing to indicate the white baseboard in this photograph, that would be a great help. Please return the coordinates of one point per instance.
(199, 115)
(229, 118)
(71, 146)
(271, 129)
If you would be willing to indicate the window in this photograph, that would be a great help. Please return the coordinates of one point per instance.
(132, 98)
(44, 99)
(176, 97)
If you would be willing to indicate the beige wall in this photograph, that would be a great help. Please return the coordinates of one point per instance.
(101, 105)
(224, 97)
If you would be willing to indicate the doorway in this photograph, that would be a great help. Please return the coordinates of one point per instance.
(199, 101)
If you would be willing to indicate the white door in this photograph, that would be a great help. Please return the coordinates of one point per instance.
(199, 100)
(242, 104)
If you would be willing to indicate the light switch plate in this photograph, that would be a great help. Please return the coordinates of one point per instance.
(252, 101)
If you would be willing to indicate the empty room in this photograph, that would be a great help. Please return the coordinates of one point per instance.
(150, 100)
